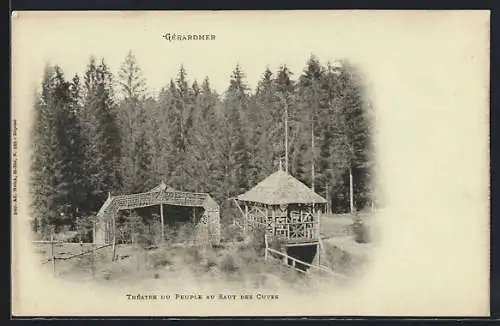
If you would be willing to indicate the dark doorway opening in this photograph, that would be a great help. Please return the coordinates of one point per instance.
(179, 222)
(304, 253)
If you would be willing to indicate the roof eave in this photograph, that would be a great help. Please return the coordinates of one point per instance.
(281, 203)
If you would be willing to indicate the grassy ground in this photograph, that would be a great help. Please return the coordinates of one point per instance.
(234, 262)
(341, 251)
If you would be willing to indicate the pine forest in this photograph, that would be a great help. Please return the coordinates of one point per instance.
(99, 133)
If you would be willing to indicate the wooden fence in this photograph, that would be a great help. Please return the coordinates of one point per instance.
(53, 257)
(268, 251)
(296, 261)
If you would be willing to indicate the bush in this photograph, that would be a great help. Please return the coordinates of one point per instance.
(84, 226)
(183, 232)
(232, 233)
(229, 264)
(336, 258)
(160, 259)
(258, 239)
(193, 255)
(360, 231)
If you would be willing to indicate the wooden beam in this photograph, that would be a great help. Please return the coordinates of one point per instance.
(301, 244)
(114, 237)
(162, 224)
(273, 219)
(267, 246)
(239, 207)
(318, 226)
(351, 192)
(320, 267)
(245, 225)
(53, 254)
(320, 247)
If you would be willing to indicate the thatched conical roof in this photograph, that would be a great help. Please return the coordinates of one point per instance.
(281, 188)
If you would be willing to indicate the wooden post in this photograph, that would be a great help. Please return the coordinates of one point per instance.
(93, 261)
(162, 224)
(114, 238)
(318, 226)
(265, 250)
(245, 227)
(319, 252)
(52, 253)
(273, 221)
(328, 201)
(351, 192)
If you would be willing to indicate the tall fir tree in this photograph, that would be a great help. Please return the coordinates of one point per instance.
(236, 124)
(77, 147)
(57, 173)
(130, 78)
(355, 134)
(103, 135)
(265, 129)
(286, 115)
(179, 113)
(136, 163)
(310, 95)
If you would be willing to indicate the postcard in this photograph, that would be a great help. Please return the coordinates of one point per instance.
(250, 163)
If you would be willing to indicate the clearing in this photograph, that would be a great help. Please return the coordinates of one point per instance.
(235, 262)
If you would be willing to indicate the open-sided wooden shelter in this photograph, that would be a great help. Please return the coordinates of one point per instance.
(206, 213)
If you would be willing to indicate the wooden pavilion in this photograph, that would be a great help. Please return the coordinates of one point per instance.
(205, 212)
(287, 209)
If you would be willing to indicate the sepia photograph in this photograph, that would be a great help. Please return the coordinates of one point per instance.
(250, 163)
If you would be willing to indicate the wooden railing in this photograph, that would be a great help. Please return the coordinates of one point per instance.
(296, 261)
(310, 232)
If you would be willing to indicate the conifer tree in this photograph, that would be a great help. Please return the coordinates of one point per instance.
(310, 94)
(130, 78)
(74, 128)
(57, 152)
(179, 111)
(354, 133)
(102, 131)
(236, 104)
(136, 159)
(265, 129)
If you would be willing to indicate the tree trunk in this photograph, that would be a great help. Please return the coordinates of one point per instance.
(286, 137)
(312, 155)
